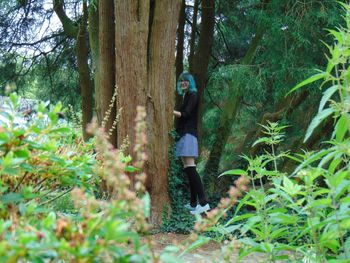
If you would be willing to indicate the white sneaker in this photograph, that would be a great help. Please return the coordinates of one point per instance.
(200, 209)
(189, 207)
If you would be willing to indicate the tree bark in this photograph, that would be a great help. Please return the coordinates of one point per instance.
(180, 40)
(86, 87)
(145, 41)
(106, 70)
(79, 32)
(179, 65)
(193, 35)
(201, 57)
(93, 29)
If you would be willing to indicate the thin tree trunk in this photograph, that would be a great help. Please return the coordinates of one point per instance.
(193, 35)
(201, 59)
(180, 40)
(93, 28)
(86, 87)
(106, 84)
(179, 65)
(82, 52)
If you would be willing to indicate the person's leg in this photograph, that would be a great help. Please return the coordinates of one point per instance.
(191, 171)
(193, 194)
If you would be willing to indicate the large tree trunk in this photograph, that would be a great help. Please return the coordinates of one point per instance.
(145, 42)
(86, 87)
(201, 57)
(106, 74)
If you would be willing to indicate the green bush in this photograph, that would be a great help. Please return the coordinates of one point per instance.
(304, 216)
(41, 161)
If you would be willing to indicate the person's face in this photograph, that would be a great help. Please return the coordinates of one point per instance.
(185, 85)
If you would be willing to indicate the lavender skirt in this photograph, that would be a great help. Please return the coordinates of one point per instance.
(187, 146)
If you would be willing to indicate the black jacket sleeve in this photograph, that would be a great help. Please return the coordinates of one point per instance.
(190, 105)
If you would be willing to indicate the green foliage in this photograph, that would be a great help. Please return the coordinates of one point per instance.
(180, 220)
(32, 155)
(41, 162)
(304, 216)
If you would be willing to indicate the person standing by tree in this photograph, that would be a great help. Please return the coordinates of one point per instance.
(187, 145)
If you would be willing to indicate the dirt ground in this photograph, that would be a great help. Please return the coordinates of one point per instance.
(208, 253)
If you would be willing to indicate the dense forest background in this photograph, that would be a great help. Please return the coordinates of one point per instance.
(273, 84)
(245, 55)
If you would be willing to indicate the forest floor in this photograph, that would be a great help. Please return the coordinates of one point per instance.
(208, 253)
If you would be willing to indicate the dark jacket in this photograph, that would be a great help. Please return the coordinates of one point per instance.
(187, 123)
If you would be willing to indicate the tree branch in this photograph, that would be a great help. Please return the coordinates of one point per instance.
(70, 28)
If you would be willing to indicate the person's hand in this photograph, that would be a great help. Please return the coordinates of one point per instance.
(177, 113)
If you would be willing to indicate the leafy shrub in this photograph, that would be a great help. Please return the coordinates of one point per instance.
(304, 216)
(42, 162)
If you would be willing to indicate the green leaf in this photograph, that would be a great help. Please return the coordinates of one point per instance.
(316, 121)
(289, 187)
(196, 244)
(342, 127)
(234, 172)
(314, 157)
(4, 138)
(313, 78)
(60, 130)
(22, 153)
(11, 198)
(326, 96)
(281, 218)
(239, 218)
(131, 169)
(321, 203)
(146, 199)
(261, 140)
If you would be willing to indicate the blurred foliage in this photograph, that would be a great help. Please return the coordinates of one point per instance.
(48, 182)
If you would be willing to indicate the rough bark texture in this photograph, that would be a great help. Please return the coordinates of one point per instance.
(193, 35)
(179, 65)
(72, 30)
(201, 57)
(106, 74)
(180, 40)
(86, 87)
(93, 29)
(145, 41)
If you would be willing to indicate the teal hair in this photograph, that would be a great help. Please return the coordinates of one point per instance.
(186, 76)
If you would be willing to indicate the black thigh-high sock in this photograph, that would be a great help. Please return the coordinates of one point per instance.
(191, 171)
(193, 194)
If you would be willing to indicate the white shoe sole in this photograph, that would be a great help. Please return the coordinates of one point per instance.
(200, 209)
